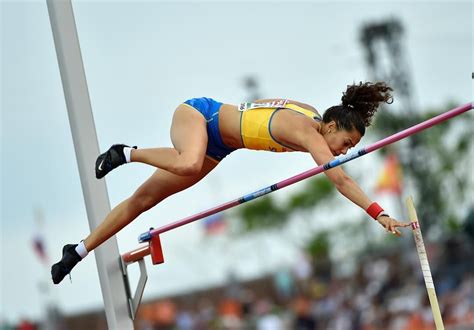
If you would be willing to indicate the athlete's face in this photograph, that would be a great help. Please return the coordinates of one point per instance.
(340, 140)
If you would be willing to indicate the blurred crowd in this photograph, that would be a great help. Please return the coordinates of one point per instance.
(385, 291)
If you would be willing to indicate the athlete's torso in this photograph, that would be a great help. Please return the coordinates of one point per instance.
(258, 126)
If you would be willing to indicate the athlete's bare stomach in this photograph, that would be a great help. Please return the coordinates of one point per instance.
(229, 126)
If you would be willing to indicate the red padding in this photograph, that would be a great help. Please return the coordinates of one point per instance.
(156, 251)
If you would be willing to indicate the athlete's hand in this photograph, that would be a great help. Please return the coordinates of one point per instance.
(391, 225)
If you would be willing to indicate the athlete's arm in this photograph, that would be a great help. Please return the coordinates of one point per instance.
(311, 140)
(315, 144)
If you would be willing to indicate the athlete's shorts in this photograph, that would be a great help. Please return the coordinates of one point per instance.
(216, 149)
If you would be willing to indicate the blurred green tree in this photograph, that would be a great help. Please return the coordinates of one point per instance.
(265, 213)
(437, 164)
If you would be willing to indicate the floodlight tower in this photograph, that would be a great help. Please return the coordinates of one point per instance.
(386, 60)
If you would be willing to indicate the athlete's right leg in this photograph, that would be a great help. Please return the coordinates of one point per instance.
(189, 137)
(159, 186)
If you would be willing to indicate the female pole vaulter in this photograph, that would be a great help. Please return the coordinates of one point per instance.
(204, 132)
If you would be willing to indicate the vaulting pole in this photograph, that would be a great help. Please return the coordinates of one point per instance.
(424, 263)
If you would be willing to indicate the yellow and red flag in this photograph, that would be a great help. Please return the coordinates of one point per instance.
(391, 177)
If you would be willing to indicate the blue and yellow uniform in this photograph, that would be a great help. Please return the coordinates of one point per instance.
(256, 121)
(255, 125)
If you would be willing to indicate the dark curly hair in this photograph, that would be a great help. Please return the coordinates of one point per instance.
(359, 104)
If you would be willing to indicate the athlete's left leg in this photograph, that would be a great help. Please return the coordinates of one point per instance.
(159, 186)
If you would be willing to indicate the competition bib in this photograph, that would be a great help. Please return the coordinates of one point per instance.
(272, 105)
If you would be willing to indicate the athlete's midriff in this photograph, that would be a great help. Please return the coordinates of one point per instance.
(229, 126)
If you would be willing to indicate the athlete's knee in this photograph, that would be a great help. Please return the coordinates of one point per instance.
(188, 167)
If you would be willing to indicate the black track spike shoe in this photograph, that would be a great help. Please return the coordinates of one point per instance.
(66, 264)
(112, 158)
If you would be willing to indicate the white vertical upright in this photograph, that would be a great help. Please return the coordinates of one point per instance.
(87, 149)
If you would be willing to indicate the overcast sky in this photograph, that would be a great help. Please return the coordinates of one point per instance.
(142, 59)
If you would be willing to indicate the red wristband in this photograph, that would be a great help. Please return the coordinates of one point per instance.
(374, 210)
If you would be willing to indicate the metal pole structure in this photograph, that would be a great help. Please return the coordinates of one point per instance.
(146, 236)
(87, 148)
